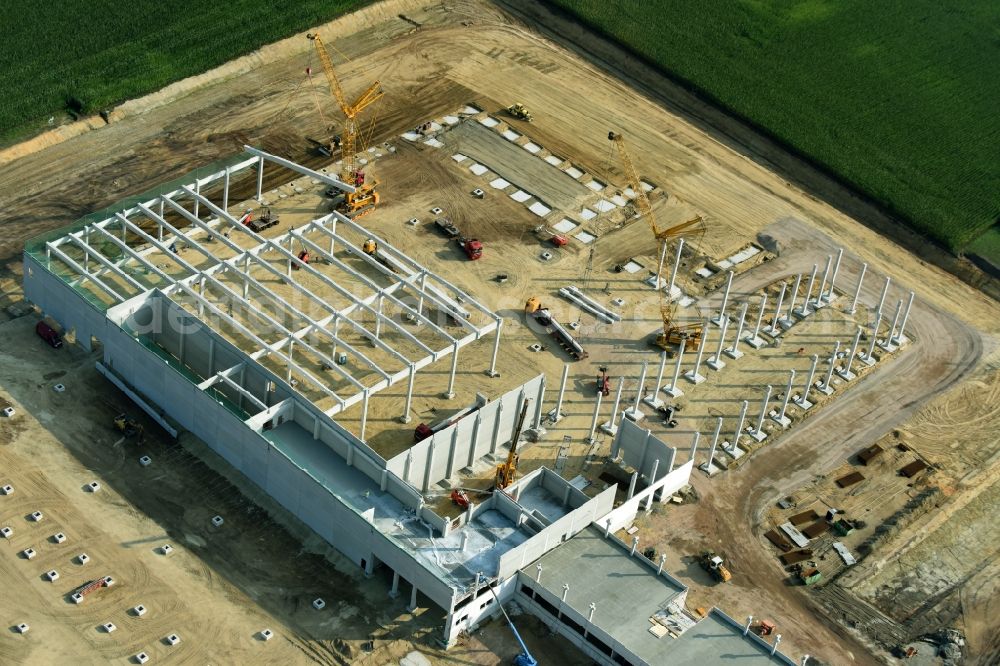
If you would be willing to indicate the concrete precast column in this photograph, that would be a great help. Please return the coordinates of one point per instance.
(715, 362)
(694, 444)
(638, 394)
(197, 201)
(734, 350)
(693, 375)
(763, 410)
(900, 336)
(364, 414)
(791, 304)
(597, 415)
(394, 590)
(881, 300)
(539, 400)
(804, 401)
(673, 273)
(225, 190)
(818, 301)
(788, 393)
(663, 560)
(496, 428)
(476, 425)
(450, 393)
(635, 546)
(492, 372)
(631, 484)
(562, 392)
(774, 329)
(867, 357)
(405, 418)
(649, 498)
(833, 278)
(651, 397)
(673, 390)
(857, 290)
(717, 319)
(260, 178)
(746, 629)
(777, 642)
(538, 572)
(739, 423)
(715, 443)
(618, 399)
(451, 453)
(825, 386)
(378, 317)
(854, 350)
(670, 463)
(895, 320)
(804, 310)
(407, 465)
(590, 616)
(754, 339)
(413, 600)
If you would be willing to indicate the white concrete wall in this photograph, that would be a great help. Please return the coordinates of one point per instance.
(666, 486)
(56, 299)
(639, 448)
(443, 454)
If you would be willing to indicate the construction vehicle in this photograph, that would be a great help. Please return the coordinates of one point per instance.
(524, 658)
(447, 227)
(507, 470)
(763, 627)
(370, 247)
(603, 382)
(364, 199)
(266, 220)
(713, 564)
(807, 573)
(673, 334)
(518, 111)
(303, 257)
(49, 334)
(423, 431)
(533, 309)
(472, 247)
(79, 593)
(128, 426)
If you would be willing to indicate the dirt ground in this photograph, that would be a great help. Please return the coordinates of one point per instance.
(433, 61)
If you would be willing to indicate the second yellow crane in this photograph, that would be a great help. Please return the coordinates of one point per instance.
(365, 197)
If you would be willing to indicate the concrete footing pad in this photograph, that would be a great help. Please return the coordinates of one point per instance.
(758, 435)
(716, 363)
(694, 378)
(654, 402)
(733, 353)
(756, 343)
(783, 421)
(634, 414)
(709, 468)
(846, 375)
(801, 403)
(673, 391)
(733, 452)
(608, 428)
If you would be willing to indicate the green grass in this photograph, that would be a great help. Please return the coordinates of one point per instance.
(83, 56)
(987, 246)
(901, 98)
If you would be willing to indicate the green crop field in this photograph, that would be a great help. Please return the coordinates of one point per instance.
(82, 56)
(901, 98)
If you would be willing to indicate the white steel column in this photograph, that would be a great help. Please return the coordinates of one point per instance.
(708, 466)
(539, 402)
(803, 400)
(260, 187)
(717, 319)
(197, 190)
(652, 397)
(867, 357)
(857, 291)
(758, 432)
(225, 190)
(492, 372)
(450, 393)
(732, 446)
(364, 414)
(673, 390)
(881, 300)
(405, 418)
(886, 342)
(694, 444)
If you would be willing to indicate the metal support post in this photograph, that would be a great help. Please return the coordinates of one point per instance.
(652, 397)
(611, 427)
(693, 375)
(900, 336)
(828, 296)
(774, 330)
(260, 179)
(715, 362)
(635, 413)
(857, 291)
(556, 415)
(787, 321)
(819, 301)
(845, 373)
(755, 340)
(804, 309)
(593, 424)
(886, 342)
(881, 300)
(803, 400)
(780, 418)
(825, 387)
(758, 432)
(672, 389)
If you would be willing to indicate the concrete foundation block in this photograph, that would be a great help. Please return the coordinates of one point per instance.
(606, 427)
(634, 414)
(653, 401)
(672, 391)
(756, 342)
(846, 375)
(733, 451)
(867, 360)
(801, 403)
(709, 468)
(716, 363)
(693, 377)
(783, 421)
(758, 435)
(733, 353)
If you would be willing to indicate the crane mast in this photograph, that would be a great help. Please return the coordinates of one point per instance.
(672, 334)
(348, 145)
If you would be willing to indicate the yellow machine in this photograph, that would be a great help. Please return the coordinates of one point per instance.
(518, 111)
(507, 471)
(365, 198)
(672, 335)
(532, 305)
(128, 426)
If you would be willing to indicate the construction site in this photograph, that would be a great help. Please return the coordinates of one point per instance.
(388, 345)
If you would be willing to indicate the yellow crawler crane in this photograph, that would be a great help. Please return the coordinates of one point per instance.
(673, 335)
(365, 198)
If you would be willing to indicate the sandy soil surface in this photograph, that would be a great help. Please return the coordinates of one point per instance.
(432, 62)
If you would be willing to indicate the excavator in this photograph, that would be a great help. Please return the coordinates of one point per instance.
(365, 197)
(507, 470)
(673, 335)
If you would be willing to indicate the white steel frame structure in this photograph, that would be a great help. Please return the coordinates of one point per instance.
(337, 301)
